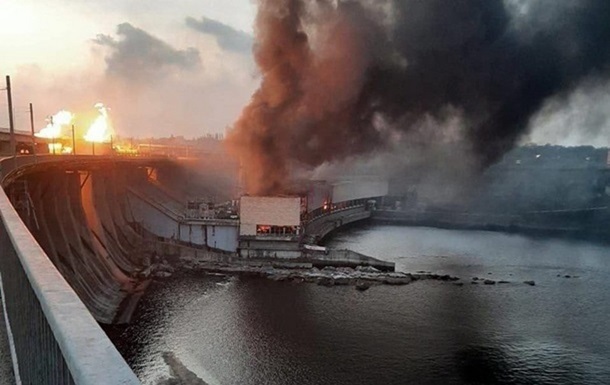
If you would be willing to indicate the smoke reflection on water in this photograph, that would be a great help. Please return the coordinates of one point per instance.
(254, 331)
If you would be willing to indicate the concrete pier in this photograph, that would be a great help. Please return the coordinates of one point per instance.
(346, 258)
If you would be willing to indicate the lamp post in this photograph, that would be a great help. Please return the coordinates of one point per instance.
(32, 128)
(73, 142)
(10, 116)
(52, 134)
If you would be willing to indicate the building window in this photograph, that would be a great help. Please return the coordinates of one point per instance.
(277, 230)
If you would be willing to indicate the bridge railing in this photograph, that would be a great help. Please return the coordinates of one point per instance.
(54, 338)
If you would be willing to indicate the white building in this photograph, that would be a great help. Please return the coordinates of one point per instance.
(270, 216)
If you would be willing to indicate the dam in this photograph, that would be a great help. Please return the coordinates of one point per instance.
(83, 237)
(101, 225)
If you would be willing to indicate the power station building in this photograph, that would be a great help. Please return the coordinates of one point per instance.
(274, 226)
(270, 227)
(270, 217)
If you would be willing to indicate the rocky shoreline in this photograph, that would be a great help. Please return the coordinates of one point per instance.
(361, 277)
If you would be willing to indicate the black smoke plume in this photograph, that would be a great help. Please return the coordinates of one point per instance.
(345, 77)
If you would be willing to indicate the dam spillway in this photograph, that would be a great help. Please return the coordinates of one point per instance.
(78, 214)
(88, 217)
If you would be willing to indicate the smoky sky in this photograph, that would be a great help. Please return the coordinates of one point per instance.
(228, 37)
(347, 77)
(139, 56)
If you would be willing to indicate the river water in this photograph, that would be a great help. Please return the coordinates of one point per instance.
(253, 331)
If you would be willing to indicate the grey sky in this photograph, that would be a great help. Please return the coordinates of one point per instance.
(137, 55)
(228, 38)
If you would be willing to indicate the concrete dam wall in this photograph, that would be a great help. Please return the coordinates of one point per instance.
(84, 217)
(82, 221)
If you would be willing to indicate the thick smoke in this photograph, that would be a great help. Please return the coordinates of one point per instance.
(342, 78)
(578, 119)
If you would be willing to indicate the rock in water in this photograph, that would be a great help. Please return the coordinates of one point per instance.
(341, 281)
(367, 269)
(326, 281)
(362, 286)
(397, 281)
(162, 274)
(181, 374)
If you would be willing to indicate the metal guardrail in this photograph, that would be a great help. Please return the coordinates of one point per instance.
(54, 338)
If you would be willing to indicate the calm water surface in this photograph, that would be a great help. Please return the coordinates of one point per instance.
(252, 331)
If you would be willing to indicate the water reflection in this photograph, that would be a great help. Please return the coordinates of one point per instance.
(251, 331)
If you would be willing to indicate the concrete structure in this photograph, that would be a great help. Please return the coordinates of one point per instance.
(78, 213)
(79, 237)
(320, 226)
(270, 216)
(329, 193)
(270, 227)
(23, 143)
(164, 216)
(53, 337)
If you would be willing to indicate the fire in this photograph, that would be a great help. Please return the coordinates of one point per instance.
(100, 131)
(53, 130)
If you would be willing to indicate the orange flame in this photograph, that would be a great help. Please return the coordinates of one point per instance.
(53, 130)
(100, 131)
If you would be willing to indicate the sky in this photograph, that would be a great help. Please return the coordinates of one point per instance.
(160, 67)
(185, 68)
